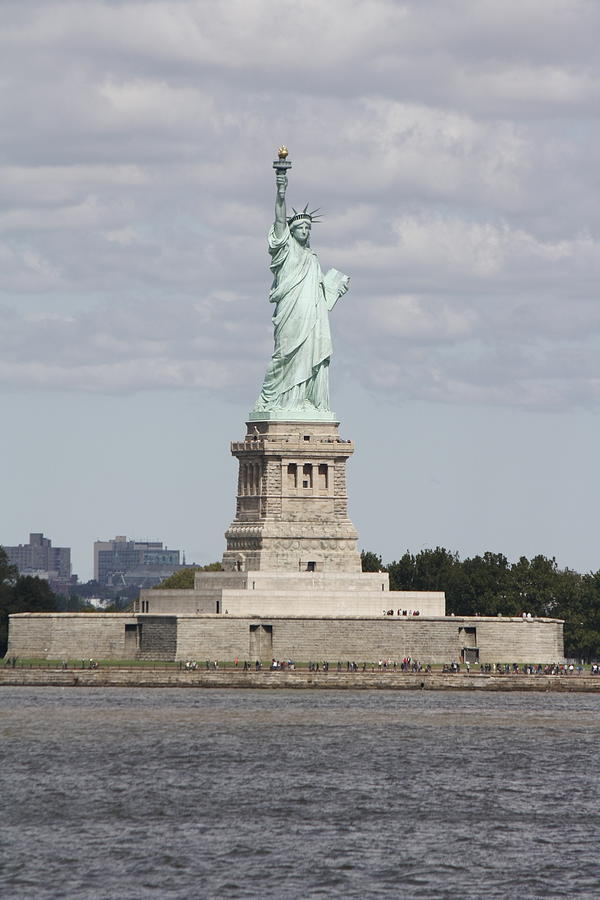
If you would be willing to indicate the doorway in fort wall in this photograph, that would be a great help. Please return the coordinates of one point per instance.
(470, 650)
(132, 639)
(261, 642)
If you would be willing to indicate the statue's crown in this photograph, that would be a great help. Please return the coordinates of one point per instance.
(304, 216)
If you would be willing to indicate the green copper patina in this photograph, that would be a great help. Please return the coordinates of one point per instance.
(296, 385)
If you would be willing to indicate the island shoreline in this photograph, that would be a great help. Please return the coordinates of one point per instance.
(295, 679)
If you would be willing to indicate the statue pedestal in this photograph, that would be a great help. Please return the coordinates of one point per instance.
(292, 504)
(291, 549)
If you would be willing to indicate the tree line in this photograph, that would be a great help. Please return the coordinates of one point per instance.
(27, 593)
(490, 585)
(20, 593)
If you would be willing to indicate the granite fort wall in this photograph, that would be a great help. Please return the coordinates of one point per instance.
(529, 639)
(435, 640)
(429, 640)
(214, 638)
(72, 635)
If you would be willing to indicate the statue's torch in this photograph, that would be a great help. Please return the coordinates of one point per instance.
(282, 164)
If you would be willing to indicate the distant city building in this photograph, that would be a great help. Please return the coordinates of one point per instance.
(41, 560)
(139, 563)
(99, 602)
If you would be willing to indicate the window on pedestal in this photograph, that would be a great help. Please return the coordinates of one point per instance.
(307, 475)
(251, 479)
(323, 476)
(292, 475)
(248, 479)
(256, 479)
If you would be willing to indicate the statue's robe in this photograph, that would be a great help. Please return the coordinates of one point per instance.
(297, 376)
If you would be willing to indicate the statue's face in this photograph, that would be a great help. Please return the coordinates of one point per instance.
(302, 233)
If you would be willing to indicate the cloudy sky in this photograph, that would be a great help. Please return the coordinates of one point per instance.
(452, 145)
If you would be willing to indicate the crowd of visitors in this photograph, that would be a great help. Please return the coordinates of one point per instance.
(522, 669)
(384, 664)
(402, 612)
(406, 665)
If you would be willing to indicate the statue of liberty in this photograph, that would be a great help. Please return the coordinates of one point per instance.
(297, 379)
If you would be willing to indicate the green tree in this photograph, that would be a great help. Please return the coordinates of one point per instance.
(184, 578)
(8, 572)
(482, 587)
(371, 562)
(536, 586)
(579, 606)
(402, 573)
(8, 576)
(429, 570)
(30, 594)
(20, 594)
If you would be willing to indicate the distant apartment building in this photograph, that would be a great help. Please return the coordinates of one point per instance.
(40, 559)
(133, 563)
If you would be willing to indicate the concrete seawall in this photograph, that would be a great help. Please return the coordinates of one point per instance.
(301, 679)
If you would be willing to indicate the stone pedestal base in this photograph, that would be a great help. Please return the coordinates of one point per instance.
(292, 504)
(294, 595)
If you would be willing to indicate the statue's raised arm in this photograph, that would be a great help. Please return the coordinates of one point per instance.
(296, 384)
(280, 210)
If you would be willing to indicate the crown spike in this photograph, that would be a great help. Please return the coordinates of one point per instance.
(305, 215)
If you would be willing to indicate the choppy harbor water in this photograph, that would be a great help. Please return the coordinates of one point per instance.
(118, 793)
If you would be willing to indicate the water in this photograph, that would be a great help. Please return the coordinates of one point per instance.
(169, 793)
